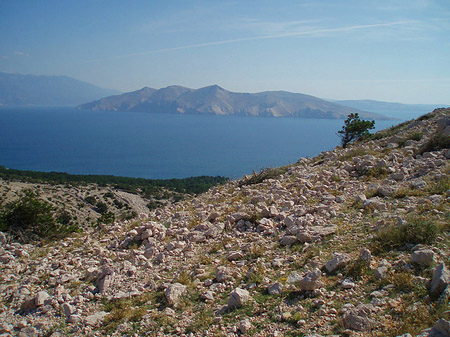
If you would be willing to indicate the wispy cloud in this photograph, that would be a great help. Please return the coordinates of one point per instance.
(19, 53)
(313, 32)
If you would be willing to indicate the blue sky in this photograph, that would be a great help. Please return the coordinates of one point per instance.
(391, 50)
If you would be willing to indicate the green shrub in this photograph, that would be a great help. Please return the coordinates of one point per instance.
(436, 143)
(106, 218)
(102, 208)
(90, 200)
(392, 237)
(30, 218)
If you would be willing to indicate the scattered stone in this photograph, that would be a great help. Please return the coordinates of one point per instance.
(288, 240)
(275, 289)
(365, 254)
(95, 319)
(311, 281)
(238, 298)
(423, 257)
(339, 260)
(67, 309)
(440, 280)
(40, 298)
(348, 284)
(173, 293)
(358, 318)
(234, 256)
(245, 326)
(74, 319)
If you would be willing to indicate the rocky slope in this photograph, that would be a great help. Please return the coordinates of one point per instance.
(214, 100)
(353, 242)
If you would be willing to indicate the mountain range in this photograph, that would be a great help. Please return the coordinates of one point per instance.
(19, 90)
(392, 109)
(214, 100)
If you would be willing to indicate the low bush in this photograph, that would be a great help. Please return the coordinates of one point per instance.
(257, 178)
(30, 218)
(393, 237)
(436, 143)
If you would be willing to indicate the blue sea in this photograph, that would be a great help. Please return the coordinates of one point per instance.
(157, 146)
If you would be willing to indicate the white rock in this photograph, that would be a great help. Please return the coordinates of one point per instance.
(275, 289)
(173, 293)
(339, 260)
(423, 257)
(311, 281)
(358, 318)
(245, 326)
(95, 319)
(440, 280)
(67, 309)
(40, 298)
(238, 298)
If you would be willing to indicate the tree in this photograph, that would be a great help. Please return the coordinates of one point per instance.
(354, 129)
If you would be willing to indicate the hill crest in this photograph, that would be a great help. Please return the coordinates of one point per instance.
(215, 100)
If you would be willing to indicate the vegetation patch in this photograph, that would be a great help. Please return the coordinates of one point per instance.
(415, 231)
(257, 178)
(30, 218)
(145, 187)
(436, 143)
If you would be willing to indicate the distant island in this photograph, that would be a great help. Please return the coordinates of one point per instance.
(214, 100)
(40, 90)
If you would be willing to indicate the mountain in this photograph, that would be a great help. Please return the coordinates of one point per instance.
(17, 89)
(397, 110)
(214, 100)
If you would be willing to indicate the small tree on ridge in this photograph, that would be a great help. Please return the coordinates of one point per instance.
(354, 129)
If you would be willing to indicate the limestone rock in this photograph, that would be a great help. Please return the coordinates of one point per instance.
(40, 298)
(222, 274)
(245, 326)
(381, 272)
(238, 298)
(423, 257)
(275, 289)
(173, 293)
(95, 319)
(442, 327)
(288, 240)
(67, 309)
(358, 318)
(440, 280)
(339, 260)
(311, 281)
(365, 254)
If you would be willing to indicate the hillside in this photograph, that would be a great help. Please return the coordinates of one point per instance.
(353, 242)
(402, 111)
(214, 100)
(17, 89)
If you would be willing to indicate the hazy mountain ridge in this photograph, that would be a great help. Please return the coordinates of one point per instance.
(218, 101)
(17, 89)
(394, 109)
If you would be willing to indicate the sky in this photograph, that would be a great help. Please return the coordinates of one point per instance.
(389, 50)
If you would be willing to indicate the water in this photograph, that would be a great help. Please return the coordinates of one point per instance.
(157, 146)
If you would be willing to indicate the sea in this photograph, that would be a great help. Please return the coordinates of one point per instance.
(158, 146)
